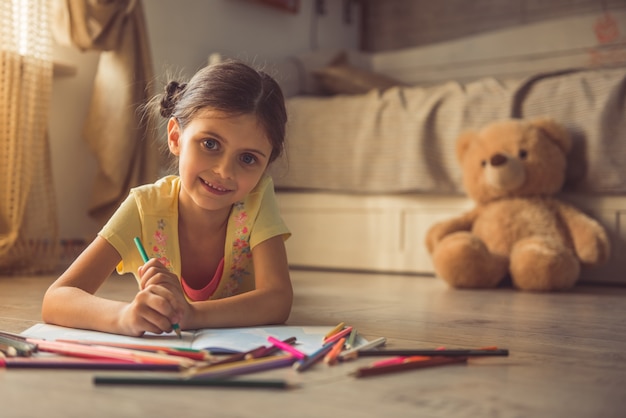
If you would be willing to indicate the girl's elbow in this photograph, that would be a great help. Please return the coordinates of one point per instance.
(283, 316)
(282, 310)
(46, 314)
(48, 305)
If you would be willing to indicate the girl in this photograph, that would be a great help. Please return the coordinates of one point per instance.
(213, 233)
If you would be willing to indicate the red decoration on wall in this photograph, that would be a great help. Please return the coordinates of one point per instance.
(606, 29)
(610, 49)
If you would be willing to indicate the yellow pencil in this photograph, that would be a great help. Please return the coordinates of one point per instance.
(335, 330)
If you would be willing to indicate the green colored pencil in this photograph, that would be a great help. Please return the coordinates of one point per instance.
(145, 258)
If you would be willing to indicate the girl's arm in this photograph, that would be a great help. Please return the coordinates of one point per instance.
(269, 303)
(70, 301)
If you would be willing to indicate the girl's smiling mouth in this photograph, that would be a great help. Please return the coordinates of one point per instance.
(214, 188)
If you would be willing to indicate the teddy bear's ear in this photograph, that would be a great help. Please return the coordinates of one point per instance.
(463, 142)
(555, 131)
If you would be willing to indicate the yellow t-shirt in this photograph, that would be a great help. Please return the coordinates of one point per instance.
(151, 213)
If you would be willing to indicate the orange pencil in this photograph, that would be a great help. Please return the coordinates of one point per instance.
(331, 357)
(398, 360)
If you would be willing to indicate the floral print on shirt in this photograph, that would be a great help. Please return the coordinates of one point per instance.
(241, 253)
(160, 244)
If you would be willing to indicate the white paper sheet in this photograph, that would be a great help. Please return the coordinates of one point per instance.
(218, 340)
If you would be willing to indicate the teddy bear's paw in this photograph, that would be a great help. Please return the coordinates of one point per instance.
(594, 249)
(463, 261)
(538, 265)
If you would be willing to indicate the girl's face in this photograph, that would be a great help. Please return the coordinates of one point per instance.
(221, 157)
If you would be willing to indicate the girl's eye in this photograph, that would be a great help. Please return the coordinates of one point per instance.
(210, 144)
(248, 159)
(523, 154)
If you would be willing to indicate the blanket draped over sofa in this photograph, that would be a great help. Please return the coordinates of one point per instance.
(403, 139)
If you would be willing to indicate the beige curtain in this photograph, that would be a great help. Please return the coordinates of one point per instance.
(121, 142)
(28, 222)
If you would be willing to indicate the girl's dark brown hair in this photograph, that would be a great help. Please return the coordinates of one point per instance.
(231, 87)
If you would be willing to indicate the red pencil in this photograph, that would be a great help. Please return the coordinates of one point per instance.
(408, 365)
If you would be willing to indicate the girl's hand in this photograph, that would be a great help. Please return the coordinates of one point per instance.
(159, 304)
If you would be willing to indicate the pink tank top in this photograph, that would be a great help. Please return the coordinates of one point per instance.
(206, 292)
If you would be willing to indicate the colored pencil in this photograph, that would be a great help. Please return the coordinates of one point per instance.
(318, 355)
(173, 381)
(335, 330)
(264, 351)
(408, 365)
(434, 352)
(242, 367)
(398, 360)
(85, 351)
(145, 258)
(7, 350)
(286, 347)
(199, 355)
(335, 337)
(13, 335)
(258, 352)
(351, 339)
(21, 346)
(354, 352)
(81, 364)
(331, 357)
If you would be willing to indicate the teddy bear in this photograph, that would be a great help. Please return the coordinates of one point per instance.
(518, 228)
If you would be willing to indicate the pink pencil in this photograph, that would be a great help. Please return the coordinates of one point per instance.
(336, 337)
(286, 347)
(93, 352)
(81, 363)
(194, 355)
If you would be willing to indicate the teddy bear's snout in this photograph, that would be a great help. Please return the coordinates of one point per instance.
(498, 160)
(505, 173)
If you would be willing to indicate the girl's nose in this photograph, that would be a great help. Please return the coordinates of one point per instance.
(224, 167)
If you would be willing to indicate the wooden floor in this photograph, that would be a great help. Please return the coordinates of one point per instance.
(567, 356)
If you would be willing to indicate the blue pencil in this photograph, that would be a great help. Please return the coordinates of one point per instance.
(302, 365)
(145, 258)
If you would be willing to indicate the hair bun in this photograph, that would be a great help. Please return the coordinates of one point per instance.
(172, 93)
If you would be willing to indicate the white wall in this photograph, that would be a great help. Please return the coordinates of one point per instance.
(182, 34)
